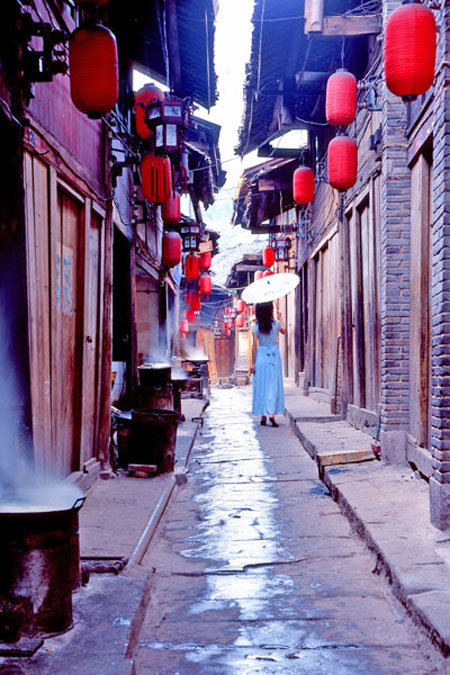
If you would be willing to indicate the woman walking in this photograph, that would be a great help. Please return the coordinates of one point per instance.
(268, 396)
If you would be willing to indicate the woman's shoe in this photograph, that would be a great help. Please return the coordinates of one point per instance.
(273, 422)
(263, 421)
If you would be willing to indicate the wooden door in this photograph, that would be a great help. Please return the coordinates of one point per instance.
(419, 370)
(65, 251)
(364, 301)
(90, 334)
(369, 308)
(65, 411)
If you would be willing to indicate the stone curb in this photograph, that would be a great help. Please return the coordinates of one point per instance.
(425, 606)
(176, 478)
(423, 595)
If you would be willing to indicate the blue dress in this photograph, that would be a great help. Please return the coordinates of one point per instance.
(268, 395)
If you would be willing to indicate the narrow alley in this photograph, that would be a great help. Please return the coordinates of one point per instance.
(255, 569)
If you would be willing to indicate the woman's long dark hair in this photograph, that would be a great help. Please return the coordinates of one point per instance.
(264, 316)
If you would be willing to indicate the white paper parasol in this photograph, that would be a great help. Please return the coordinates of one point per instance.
(270, 288)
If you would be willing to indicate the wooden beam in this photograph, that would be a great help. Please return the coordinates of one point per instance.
(173, 45)
(267, 185)
(368, 24)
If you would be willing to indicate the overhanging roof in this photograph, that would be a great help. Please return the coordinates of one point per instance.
(264, 192)
(142, 29)
(288, 70)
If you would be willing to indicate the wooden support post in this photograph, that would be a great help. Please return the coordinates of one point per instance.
(346, 311)
(313, 16)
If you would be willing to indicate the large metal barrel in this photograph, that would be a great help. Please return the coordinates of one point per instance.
(40, 565)
(153, 437)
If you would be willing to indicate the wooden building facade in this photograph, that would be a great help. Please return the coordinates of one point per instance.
(372, 304)
(82, 283)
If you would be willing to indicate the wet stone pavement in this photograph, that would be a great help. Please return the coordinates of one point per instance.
(257, 570)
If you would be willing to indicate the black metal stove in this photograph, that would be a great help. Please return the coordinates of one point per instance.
(155, 386)
(198, 376)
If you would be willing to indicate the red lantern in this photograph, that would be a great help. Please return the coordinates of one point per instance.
(171, 249)
(258, 275)
(268, 256)
(303, 185)
(171, 210)
(239, 321)
(190, 315)
(156, 177)
(184, 326)
(410, 50)
(196, 303)
(341, 98)
(342, 162)
(228, 332)
(240, 306)
(267, 273)
(94, 70)
(205, 260)
(205, 284)
(228, 324)
(228, 310)
(148, 93)
(192, 267)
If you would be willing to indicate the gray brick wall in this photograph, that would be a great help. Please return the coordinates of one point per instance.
(440, 283)
(395, 278)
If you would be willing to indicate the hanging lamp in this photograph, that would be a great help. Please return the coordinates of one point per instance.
(156, 177)
(171, 209)
(94, 70)
(205, 260)
(171, 249)
(410, 50)
(303, 185)
(192, 267)
(342, 161)
(146, 95)
(340, 101)
(268, 256)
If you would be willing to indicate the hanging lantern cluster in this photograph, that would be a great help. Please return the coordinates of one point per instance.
(342, 162)
(410, 50)
(156, 177)
(340, 101)
(171, 249)
(268, 256)
(303, 185)
(94, 70)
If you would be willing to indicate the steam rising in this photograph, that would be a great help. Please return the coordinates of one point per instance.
(22, 485)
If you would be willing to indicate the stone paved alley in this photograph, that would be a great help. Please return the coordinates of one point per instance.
(257, 570)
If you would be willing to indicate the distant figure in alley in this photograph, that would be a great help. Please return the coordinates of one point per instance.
(268, 395)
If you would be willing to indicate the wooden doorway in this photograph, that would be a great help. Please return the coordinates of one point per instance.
(419, 345)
